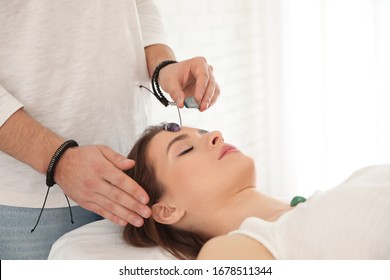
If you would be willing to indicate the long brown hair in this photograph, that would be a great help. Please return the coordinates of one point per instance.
(181, 244)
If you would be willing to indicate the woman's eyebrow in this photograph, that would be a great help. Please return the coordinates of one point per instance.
(178, 138)
(182, 137)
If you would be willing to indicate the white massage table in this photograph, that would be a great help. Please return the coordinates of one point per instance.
(101, 240)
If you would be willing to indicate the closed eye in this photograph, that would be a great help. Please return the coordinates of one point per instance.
(186, 151)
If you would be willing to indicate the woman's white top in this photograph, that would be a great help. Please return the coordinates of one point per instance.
(75, 66)
(350, 221)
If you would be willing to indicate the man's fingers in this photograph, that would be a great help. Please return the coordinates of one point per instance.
(127, 185)
(129, 217)
(118, 160)
(122, 190)
(117, 196)
(207, 90)
(116, 202)
(216, 95)
(178, 96)
(201, 75)
(119, 179)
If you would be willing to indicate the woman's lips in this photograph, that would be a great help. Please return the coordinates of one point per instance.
(226, 149)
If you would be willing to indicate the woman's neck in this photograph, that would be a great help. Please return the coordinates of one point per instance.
(247, 203)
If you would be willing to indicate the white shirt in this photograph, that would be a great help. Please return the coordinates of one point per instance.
(350, 221)
(75, 66)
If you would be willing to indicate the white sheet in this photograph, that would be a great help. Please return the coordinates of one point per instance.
(101, 240)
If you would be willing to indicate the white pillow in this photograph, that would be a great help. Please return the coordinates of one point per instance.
(101, 240)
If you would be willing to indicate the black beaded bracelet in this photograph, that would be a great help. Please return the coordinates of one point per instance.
(56, 157)
(156, 86)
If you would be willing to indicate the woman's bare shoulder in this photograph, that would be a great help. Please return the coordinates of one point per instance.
(234, 247)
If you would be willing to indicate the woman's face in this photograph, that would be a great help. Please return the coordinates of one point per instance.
(198, 170)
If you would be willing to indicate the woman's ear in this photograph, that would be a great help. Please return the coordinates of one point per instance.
(165, 214)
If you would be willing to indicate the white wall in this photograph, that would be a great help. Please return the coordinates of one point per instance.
(329, 91)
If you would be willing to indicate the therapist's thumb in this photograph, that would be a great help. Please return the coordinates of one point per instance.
(177, 94)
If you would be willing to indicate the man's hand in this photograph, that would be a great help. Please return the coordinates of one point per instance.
(192, 77)
(93, 177)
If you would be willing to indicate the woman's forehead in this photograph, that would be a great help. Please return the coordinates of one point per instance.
(163, 137)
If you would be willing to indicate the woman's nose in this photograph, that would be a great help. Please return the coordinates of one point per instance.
(214, 138)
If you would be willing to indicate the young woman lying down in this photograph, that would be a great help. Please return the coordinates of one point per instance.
(205, 205)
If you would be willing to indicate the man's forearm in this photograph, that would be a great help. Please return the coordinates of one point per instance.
(28, 141)
(156, 54)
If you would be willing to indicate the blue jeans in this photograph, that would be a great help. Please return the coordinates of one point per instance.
(18, 243)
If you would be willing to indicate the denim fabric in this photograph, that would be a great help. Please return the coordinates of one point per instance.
(18, 243)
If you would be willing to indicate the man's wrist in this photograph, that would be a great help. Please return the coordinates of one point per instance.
(56, 158)
(155, 54)
(26, 140)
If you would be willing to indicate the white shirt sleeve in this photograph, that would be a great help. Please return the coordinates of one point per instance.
(8, 105)
(152, 27)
